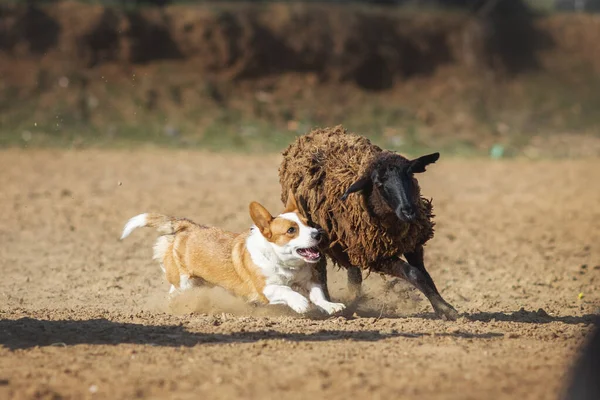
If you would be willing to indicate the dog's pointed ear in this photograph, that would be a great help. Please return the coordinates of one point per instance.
(261, 218)
(418, 164)
(361, 184)
(291, 204)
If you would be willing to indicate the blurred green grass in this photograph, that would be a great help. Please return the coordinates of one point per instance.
(470, 123)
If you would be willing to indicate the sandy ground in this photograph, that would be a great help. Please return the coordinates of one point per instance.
(83, 315)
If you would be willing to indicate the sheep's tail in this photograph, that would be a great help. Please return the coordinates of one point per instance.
(163, 223)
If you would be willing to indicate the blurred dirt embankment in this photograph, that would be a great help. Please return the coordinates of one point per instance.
(423, 74)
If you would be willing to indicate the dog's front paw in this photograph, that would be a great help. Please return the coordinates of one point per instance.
(332, 308)
(299, 304)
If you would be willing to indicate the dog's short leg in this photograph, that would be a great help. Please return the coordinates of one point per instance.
(172, 290)
(317, 296)
(279, 294)
(187, 282)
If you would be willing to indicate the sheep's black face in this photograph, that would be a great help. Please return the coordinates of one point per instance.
(395, 182)
(397, 186)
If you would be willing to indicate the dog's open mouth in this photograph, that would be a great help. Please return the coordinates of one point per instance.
(309, 253)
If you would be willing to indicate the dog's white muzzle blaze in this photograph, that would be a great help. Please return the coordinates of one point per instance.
(305, 245)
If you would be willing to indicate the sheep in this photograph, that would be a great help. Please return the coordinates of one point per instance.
(369, 231)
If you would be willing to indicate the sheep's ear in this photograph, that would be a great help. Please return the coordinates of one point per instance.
(262, 218)
(360, 184)
(418, 164)
(291, 204)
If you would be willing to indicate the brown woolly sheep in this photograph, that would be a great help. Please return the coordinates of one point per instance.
(371, 231)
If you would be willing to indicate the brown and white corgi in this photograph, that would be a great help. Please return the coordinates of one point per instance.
(263, 265)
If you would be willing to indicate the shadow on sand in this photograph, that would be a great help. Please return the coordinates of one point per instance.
(532, 317)
(25, 333)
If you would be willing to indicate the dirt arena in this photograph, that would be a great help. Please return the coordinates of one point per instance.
(83, 315)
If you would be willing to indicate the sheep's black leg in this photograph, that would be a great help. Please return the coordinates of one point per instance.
(354, 281)
(321, 268)
(420, 279)
(416, 259)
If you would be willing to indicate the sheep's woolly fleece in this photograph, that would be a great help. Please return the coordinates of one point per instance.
(318, 167)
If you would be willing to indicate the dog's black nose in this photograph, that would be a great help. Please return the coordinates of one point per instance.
(317, 235)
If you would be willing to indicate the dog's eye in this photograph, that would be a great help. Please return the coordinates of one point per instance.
(291, 231)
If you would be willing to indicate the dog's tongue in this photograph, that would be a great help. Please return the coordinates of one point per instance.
(310, 253)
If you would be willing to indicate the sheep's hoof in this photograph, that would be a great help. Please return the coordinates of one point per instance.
(446, 312)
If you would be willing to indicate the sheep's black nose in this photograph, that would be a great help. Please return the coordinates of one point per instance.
(406, 213)
(317, 235)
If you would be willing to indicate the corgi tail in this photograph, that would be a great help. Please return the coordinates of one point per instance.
(162, 223)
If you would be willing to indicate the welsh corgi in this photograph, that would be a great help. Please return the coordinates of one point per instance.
(269, 264)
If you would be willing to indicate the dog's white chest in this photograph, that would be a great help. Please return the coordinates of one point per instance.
(287, 276)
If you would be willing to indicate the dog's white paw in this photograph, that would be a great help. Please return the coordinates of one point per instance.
(299, 304)
(332, 308)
